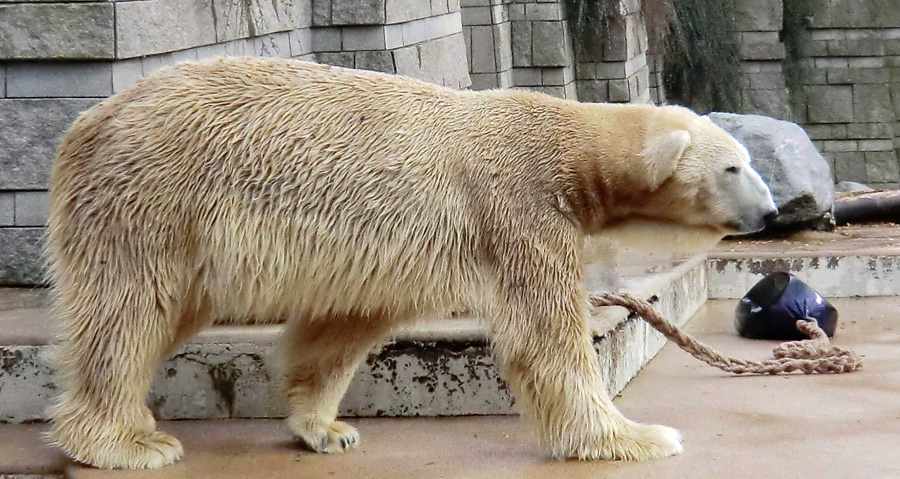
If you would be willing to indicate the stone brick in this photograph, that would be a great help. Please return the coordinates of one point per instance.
(398, 11)
(321, 13)
(818, 132)
(882, 166)
(557, 76)
(855, 48)
(32, 208)
(849, 76)
(503, 46)
(840, 145)
(357, 12)
(21, 262)
(379, 61)
(300, 42)
(611, 70)
(476, 16)
(63, 30)
(442, 61)
(29, 135)
(517, 12)
(866, 130)
(126, 72)
(362, 38)
(234, 48)
(618, 91)
(766, 81)
(521, 44)
(761, 46)
(326, 39)
(758, 15)
(813, 48)
(594, 91)
(876, 145)
(854, 13)
(484, 81)
(527, 76)
(483, 59)
(549, 44)
(339, 59)
(872, 103)
(820, 13)
(772, 102)
(866, 62)
(543, 11)
(439, 7)
(407, 60)
(250, 18)
(586, 70)
(393, 36)
(275, 45)
(159, 26)
(831, 63)
(206, 51)
(616, 51)
(830, 104)
(499, 14)
(58, 79)
(7, 208)
(414, 32)
(850, 166)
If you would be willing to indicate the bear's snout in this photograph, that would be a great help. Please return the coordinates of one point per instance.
(750, 202)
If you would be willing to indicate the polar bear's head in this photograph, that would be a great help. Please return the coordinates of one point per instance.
(696, 185)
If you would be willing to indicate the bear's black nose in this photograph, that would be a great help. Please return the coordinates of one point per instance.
(770, 217)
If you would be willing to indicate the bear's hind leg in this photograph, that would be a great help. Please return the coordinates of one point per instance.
(321, 357)
(112, 348)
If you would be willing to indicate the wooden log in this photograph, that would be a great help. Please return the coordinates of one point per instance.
(868, 207)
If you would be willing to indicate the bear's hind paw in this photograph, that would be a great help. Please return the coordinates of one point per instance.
(146, 451)
(328, 438)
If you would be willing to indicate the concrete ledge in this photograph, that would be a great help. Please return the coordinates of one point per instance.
(833, 276)
(442, 367)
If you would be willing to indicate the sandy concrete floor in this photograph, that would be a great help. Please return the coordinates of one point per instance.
(842, 426)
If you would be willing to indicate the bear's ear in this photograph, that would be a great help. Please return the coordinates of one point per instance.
(661, 155)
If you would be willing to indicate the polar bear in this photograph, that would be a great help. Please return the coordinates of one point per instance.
(352, 203)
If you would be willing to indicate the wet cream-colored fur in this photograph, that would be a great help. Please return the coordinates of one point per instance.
(352, 203)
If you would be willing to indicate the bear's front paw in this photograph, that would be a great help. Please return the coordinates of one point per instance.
(637, 442)
(329, 438)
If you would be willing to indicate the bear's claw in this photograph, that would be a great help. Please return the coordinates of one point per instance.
(330, 438)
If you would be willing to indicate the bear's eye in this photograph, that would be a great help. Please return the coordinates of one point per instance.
(733, 169)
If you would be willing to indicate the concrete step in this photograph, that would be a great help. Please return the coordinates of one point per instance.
(852, 261)
(824, 427)
(442, 367)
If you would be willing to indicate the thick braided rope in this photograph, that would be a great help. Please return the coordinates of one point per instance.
(814, 355)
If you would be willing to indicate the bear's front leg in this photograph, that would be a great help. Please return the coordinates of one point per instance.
(542, 338)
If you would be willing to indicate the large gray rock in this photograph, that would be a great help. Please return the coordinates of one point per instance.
(787, 160)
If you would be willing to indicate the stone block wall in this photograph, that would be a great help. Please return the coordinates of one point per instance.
(759, 24)
(528, 44)
(619, 69)
(848, 96)
(418, 38)
(59, 59)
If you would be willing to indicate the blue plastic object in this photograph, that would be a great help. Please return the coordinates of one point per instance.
(771, 308)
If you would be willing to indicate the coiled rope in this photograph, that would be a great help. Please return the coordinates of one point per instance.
(811, 356)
